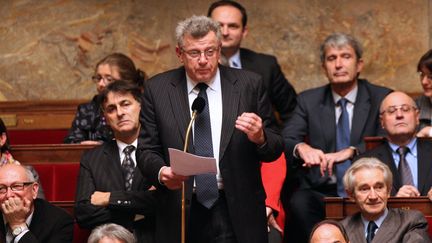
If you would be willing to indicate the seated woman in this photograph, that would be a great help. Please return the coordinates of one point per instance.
(89, 126)
(6, 157)
(424, 102)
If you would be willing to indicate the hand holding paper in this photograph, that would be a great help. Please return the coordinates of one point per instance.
(186, 164)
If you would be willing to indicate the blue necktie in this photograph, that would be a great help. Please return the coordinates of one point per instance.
(371, 228)
(128, 167)
(342, 142)
(206, 184)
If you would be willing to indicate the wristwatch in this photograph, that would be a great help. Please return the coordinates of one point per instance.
(18, 230)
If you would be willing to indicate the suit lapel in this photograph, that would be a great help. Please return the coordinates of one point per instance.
(361, 113)
(230, 103)
(137, 178)
(424, 155)
(246, 62)
(385, 155)
(388, 228)
(356, 229)
(327, 119)
(112, 164)
(180, 104)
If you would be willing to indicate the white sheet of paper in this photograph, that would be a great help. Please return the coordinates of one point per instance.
(187, 164)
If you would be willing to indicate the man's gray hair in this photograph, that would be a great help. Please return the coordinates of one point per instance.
(366, 163)
(111, 231)
(338, 40)
(197, 27)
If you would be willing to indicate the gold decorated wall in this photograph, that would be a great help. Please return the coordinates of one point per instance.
(48, 48)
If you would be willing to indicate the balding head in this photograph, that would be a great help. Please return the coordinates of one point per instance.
(328, 232)
(399, 117)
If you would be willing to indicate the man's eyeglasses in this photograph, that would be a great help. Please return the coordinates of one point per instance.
(423, 75)
(391, 110)
(197, 53)
(106, 79)
(17, 187)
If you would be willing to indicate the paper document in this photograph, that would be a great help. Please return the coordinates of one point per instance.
(187, 164)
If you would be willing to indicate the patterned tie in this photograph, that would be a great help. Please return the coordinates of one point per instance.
(342, 142)
(206, 184)
(404, 169)
(128, 167)
(371, 231)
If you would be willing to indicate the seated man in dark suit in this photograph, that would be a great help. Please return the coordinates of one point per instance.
(408, 157)
(326, 130)
(110, 188)
(26, 218)
(368, 181)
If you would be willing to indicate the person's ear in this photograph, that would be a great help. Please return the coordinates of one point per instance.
(3, 139)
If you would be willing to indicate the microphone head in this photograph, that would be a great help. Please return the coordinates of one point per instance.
(198, 104)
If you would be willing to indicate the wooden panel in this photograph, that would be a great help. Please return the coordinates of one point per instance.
(30, 115)
(372, 142)
(338, 208)
(49, 153)
(66, 205)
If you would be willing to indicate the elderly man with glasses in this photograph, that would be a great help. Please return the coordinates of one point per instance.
(407, 156)
(25, 218)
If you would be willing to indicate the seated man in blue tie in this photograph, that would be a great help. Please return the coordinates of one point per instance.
(407, 157)
(369, 181)
(110, 188)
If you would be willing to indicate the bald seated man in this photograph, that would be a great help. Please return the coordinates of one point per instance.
(26, 218)
(399, 117)
(328, 231)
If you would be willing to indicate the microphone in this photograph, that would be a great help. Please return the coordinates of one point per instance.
(197, 107)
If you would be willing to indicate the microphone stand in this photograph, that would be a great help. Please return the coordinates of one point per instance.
(183, 210)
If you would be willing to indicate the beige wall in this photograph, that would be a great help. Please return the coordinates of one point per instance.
(49, 47)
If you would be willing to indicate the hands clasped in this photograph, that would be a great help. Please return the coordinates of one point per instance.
(315, 157)
(16, 210)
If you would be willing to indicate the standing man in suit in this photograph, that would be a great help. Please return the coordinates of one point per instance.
(368, 181)
(238, 118)
(408, 157)
(25, 218)
(110, 188)
(232, 18)
(326, 131)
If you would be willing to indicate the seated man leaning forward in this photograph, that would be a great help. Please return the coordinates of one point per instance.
(368, 181)
(407, 157)
(26, 218)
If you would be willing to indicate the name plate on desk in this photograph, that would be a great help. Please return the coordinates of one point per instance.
(10, 120)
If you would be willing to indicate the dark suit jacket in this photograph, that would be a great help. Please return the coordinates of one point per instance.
(424, 165)
(100, 170)
(425, 105)
(399, 226)
(314, 120)
(166, 117)
(281, 93)
(49, 224)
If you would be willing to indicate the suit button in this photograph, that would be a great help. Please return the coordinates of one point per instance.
(119, 202)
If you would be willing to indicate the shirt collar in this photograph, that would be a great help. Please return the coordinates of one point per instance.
(351, 96)
(121, 145)
(235, 58)
(378, 221)
(412, 145)
(212, 83)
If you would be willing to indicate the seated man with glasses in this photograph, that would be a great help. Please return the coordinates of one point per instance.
(26, 218)
(408, 157)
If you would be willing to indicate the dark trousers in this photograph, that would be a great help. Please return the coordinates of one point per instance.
(306, 208)
(210, 225)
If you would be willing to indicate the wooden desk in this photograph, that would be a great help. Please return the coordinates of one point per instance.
(49, 153)
(338, 208)
(35, 115)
